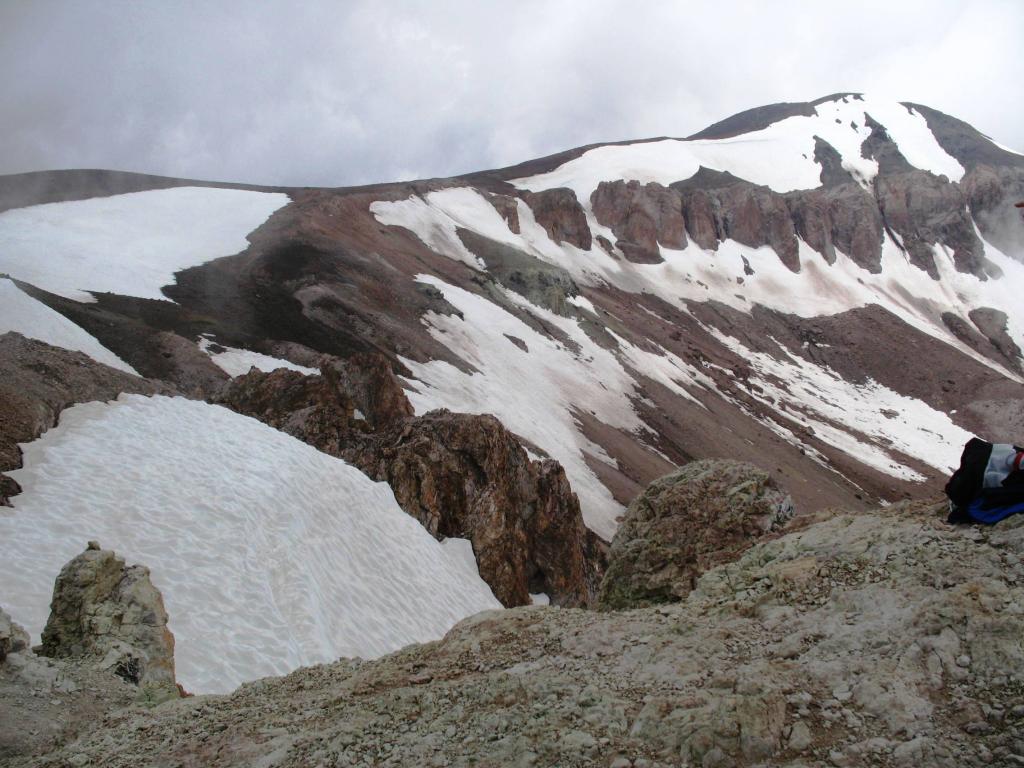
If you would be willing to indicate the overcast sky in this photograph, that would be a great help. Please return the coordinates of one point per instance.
(335, 93)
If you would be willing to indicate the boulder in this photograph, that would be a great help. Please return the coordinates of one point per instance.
(561, 215)
(685, 523)
(13, 638)
(109, 612)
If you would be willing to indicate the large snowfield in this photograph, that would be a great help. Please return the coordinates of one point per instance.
(270, 554)
(129, 244)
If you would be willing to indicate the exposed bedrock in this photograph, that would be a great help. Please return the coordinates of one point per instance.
(560, 213)
(729, 207)
(641, 216)
(842, 216)
(923, 210)
(108, 612)
(460, 475)
(539, 282)
(702, 515)
(37, 382)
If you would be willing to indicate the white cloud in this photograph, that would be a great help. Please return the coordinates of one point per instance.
(325, 93)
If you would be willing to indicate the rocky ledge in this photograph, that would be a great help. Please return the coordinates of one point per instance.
(886, 638)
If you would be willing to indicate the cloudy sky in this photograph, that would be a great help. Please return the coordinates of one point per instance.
(334, 93)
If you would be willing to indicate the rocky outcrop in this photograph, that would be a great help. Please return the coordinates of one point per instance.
(924, 210)
(560, 213)
(703, 514)
(109, 612)
(641, 216)
(881, 638)
(460, 475)
(13, 638)
(733, 208)
(541, 283)
(466, 476)
(507, 206)
(841, 216)
(37, 382)
(992, 324)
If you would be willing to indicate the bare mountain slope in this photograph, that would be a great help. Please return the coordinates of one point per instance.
(826, 289)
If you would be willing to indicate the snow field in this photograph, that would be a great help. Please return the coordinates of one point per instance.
(237, 362)
(128, 244)
(270, 555)
(33, 319)
(780, 156)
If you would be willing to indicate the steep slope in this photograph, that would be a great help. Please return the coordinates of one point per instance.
(828, 289)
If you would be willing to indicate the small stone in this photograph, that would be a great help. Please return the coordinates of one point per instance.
(963, 661)
(800, 736)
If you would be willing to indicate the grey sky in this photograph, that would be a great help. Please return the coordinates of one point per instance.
(339, 93)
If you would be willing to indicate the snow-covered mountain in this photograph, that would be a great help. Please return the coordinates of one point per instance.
(827, 289)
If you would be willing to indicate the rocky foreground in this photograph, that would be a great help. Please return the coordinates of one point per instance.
(886, 638)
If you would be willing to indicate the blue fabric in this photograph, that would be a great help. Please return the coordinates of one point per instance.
(995, 514)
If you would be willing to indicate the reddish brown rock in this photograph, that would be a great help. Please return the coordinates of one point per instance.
(718, 205)
(559, 212)
(641, 216)
(845, 217)
(703, 221)
(460, 475)
(508, 208)
(756, 216)
(466, 476)
(923, 210)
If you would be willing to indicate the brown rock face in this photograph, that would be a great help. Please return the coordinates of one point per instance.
(560, 213)
(699, 516)
(703, 218)
(641, 216)
(460, 475)
(923, 209)
(467, 476)
(111, 612)
(844, 216)
(509, 210)
(992, 324)
(718, 205)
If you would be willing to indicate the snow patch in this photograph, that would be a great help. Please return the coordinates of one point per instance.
(270, 554)
(780, 156)
(237, 362)
(800, 391)
(22, 313)
(128, 244)
(533, 394)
